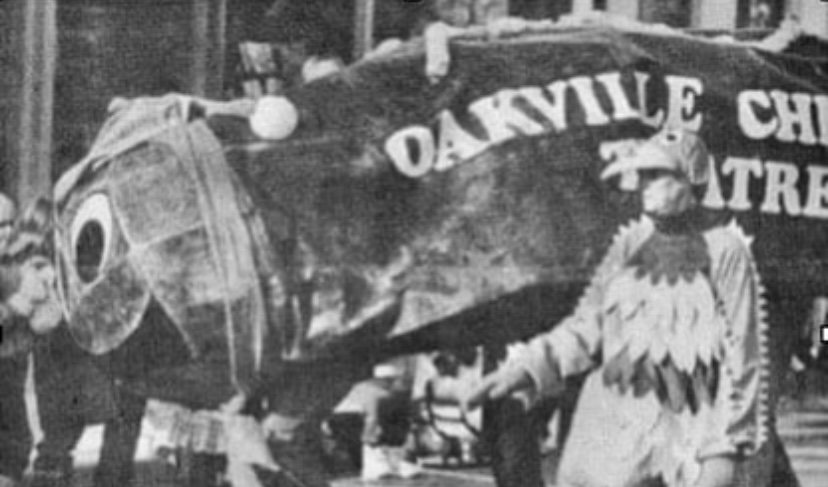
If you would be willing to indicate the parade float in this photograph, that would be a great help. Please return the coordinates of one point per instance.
(443, 193)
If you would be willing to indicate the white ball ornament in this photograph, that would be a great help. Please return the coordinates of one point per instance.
(274, 118)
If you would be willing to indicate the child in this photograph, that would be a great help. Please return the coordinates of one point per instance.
(26, 289)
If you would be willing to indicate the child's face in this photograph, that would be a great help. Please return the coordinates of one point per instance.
(36, 294)
(37, 278)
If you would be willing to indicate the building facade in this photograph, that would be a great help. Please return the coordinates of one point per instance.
(718, 14)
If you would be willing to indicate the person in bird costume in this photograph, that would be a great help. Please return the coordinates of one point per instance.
(671, 334)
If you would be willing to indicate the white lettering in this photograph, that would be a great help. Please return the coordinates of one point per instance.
(412, 150)
(749, 121)
(713, 194)
(501, 118)
(821, 102)
(583, 87)
(798, 114)
(514, 112)
(657, 118)
(780, 181)
(741, 169)
(454, 143)
(621, 108)
(555, 110)
(683, 93)
(817, 192)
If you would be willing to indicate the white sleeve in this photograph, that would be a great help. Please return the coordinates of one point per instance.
(742, 398)
(574, 345)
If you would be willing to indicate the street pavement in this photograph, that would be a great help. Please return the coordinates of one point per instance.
(803, 431)
(805, 435)
(803, 427)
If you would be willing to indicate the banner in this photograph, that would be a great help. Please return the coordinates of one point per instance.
(488, 175)
(467, 203)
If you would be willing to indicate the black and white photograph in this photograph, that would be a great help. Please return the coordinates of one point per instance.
(413, 243)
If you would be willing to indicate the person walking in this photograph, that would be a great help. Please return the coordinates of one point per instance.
(670, 332)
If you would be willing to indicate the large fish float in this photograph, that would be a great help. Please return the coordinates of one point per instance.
(443, 194)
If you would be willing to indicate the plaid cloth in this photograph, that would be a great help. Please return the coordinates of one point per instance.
(177, 427)
(241, 438)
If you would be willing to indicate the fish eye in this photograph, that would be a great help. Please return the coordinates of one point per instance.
(91, 236)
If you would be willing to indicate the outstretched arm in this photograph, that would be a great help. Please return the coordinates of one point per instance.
(502, 383)
(573, 346)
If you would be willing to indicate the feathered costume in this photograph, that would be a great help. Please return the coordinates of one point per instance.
(672, 331)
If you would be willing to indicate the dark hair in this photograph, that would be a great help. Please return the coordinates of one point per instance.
(22, 245)
(33, 233)
(38, 217)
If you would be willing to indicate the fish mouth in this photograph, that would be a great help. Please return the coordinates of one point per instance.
(155, 361)
(355, 337)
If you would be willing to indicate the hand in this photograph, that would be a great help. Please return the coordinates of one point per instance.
(497, 386)
(20, 305)
(46, 316)
(235, 404)
(37, 280)
(719, 471)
